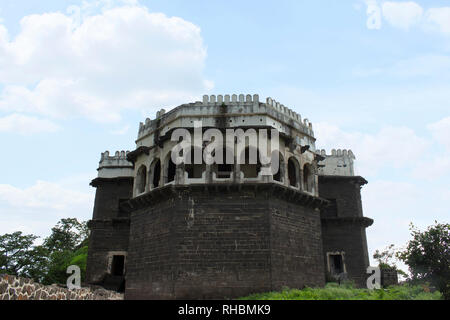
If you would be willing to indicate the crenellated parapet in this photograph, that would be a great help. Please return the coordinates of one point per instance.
(305, 125)
(336, 153)
(115, 166)
(338, 163)
(230, 99)
(238, 109)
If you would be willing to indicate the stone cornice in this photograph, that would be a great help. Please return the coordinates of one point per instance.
(112, 221)
(274, 189)
(356, 179)
(133, 155)
(97, 181)
(361, 221)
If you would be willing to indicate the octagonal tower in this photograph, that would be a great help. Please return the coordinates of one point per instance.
(222, 230)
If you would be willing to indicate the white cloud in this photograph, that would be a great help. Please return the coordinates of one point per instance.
(97, 65)
(384, 149)
(373, 12)
(121, 131)
(441, 132)
(42, 195)
(420, 66)
(436, 165)
(26, 125)
(440, 18)
(402, 14)
(394, 205)
(37, 208)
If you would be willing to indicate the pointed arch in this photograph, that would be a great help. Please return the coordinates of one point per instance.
(170, 169)
(141, 179)
(194, 170)
(308, 177)
(249, 167)
(293, 172)
(155, 173)
(224, 169)
(279, 175)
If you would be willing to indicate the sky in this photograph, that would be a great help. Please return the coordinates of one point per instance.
(77, 77)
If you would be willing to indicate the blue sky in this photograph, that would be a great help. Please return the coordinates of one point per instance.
(77, 77)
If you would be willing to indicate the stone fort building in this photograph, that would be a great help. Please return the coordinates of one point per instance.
(198, 231)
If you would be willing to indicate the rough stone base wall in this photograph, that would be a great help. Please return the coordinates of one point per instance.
(15, 288)
(222, 243)
(389, 277)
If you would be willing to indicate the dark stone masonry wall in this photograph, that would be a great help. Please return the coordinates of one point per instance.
(106, 236)
(344, 226)
(349, 237)
(109, 226)
(207, 243)
(297, 255)
(389, 277)
(15, 288)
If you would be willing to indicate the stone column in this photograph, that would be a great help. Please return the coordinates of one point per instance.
(301, 177)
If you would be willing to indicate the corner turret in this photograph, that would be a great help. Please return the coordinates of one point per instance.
(115, 166)
(339, 163)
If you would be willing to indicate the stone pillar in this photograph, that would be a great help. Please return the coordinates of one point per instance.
(301, 184)
(209, 173)
(237, 172)
(179, 174)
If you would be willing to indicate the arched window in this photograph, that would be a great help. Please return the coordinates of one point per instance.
(224, 169)
(251, 166)
(293, 171)
(279, 175)
(141, 179)
(155, 170)
(171, 169)
(308, 178)
(195, 170)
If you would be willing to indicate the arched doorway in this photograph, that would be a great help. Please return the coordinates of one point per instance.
(223, 169)
(155, 173)
(195, 170)
(293, 171)
(141, 179)
(171, 169)
(279, 175)
(251, 166)
(308, 178)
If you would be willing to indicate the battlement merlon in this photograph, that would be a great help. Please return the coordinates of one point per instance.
(249, 99)
(115, 166)
(338, 163)
(239, 107)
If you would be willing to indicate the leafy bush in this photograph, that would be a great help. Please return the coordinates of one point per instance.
(333, 291)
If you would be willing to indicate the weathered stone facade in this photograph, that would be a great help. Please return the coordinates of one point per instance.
(196, 243)
(206, 231)
(16, 288)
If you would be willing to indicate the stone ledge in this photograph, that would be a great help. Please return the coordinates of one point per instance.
(361, 221)
(112, 221)
(275, 189)
(97, 181)
(356, 179)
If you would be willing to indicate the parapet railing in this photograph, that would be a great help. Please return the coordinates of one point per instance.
(234, 99)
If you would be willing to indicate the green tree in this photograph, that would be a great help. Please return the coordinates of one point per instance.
(63, 245)
(46, 263)
(68, 234)
(17, 253)
(428, 256)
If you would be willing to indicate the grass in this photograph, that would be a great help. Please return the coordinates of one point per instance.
(333, 291)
